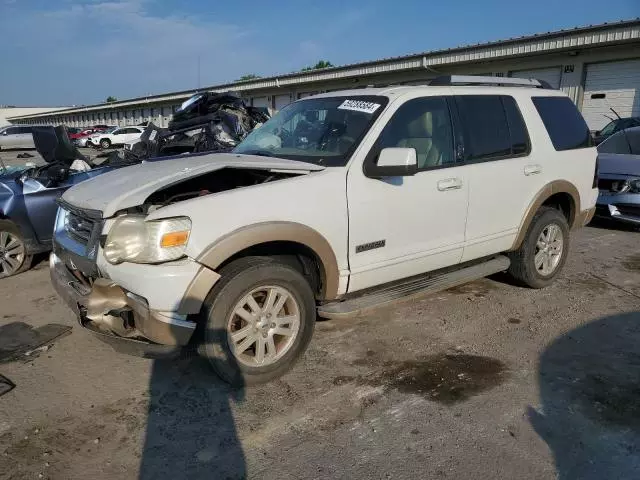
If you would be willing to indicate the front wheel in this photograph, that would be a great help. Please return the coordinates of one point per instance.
(544, 250)
(260, 317)
(13, 255)
(105, 143)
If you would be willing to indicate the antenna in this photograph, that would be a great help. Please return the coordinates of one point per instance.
(198, 72)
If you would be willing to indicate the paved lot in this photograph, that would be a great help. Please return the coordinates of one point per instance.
(487, 380)
(10, 157)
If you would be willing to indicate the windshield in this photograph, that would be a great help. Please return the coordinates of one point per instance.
(625, 142)
(609, 128)
(323, 131)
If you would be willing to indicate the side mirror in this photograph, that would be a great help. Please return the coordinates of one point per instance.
(394, 162)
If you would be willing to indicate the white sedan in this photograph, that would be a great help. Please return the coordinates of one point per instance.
(119, 136)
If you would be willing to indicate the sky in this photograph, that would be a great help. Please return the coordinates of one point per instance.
(79, 52)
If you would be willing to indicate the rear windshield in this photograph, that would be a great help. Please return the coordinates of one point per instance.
(564, 123)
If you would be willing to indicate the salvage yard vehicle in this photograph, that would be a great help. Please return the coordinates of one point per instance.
(16, 136)
(204, 122)
(619, 172)
(340, 203)
(115, 137)
(614, 126)
(28, 194)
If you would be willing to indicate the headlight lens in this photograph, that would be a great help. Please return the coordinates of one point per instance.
(132, 239)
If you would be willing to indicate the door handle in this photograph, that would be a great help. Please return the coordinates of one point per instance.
(449, 184)
(532, 169)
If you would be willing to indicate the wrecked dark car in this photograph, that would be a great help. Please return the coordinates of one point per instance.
(206, 122)
(28, 194)
(619, 177)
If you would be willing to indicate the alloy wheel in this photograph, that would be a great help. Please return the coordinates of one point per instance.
(549, 248)
(263, 325)
(11, 254)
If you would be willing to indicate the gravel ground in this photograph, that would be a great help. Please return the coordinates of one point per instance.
(486, 380)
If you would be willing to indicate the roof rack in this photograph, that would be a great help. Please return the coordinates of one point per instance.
(494, 81)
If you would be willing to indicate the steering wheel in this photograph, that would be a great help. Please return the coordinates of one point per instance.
(285, 136)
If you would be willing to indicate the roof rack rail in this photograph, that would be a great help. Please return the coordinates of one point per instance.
(494, 81)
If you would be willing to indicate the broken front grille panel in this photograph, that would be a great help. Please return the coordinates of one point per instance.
(79, 228)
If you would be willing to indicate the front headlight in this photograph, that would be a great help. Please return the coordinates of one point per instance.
(132, 239)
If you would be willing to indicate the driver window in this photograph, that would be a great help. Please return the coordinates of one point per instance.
(425, 125)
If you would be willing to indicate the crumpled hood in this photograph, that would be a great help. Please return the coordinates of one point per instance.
(619, 164)
(131, 186)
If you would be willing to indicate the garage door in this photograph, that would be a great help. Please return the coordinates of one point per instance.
(282, 101)
(261, 102)
(611, 85)
(550, 75)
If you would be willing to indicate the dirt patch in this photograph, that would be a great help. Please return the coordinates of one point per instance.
(442, 378)
(632, 263)
(19, 339)
(480, 288)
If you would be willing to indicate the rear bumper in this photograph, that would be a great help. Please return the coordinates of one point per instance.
(111, 311)
(585, 217)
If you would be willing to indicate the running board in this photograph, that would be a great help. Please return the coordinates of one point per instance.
(428, 283)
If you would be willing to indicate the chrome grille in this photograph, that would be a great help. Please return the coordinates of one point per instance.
(79, 228)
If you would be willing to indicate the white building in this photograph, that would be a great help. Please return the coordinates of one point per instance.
(598, 66)
(7, 111)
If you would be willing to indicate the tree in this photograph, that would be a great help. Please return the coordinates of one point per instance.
(111, 99)
(249, 76)
(318, 66)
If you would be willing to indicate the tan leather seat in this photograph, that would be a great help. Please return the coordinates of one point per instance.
(420, 136)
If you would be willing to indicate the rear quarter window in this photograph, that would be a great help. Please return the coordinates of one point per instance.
(564, 123)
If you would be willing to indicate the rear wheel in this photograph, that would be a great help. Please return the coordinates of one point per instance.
(260, 318)
(105, 143)
(13, 256)
(544, 250)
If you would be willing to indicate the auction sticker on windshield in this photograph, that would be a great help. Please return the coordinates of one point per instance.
(359, 106)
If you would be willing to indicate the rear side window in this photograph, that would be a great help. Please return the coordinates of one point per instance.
(487, 132)
(564, 123)
(493, 126)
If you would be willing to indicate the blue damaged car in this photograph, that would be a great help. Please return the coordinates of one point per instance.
(28, 197)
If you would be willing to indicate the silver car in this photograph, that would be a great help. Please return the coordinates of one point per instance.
(15, 136)
(619, 177)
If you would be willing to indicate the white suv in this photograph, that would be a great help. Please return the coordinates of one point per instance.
(340, 203)
(117, 136)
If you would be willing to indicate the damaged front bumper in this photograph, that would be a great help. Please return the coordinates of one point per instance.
(115, 313)
(623, 207)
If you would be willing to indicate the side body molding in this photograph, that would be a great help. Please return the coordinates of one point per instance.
(252, 235)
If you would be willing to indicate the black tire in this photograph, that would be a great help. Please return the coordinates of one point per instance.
(237, 280)
(523, 269)
(105, 143)
(12, 228)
